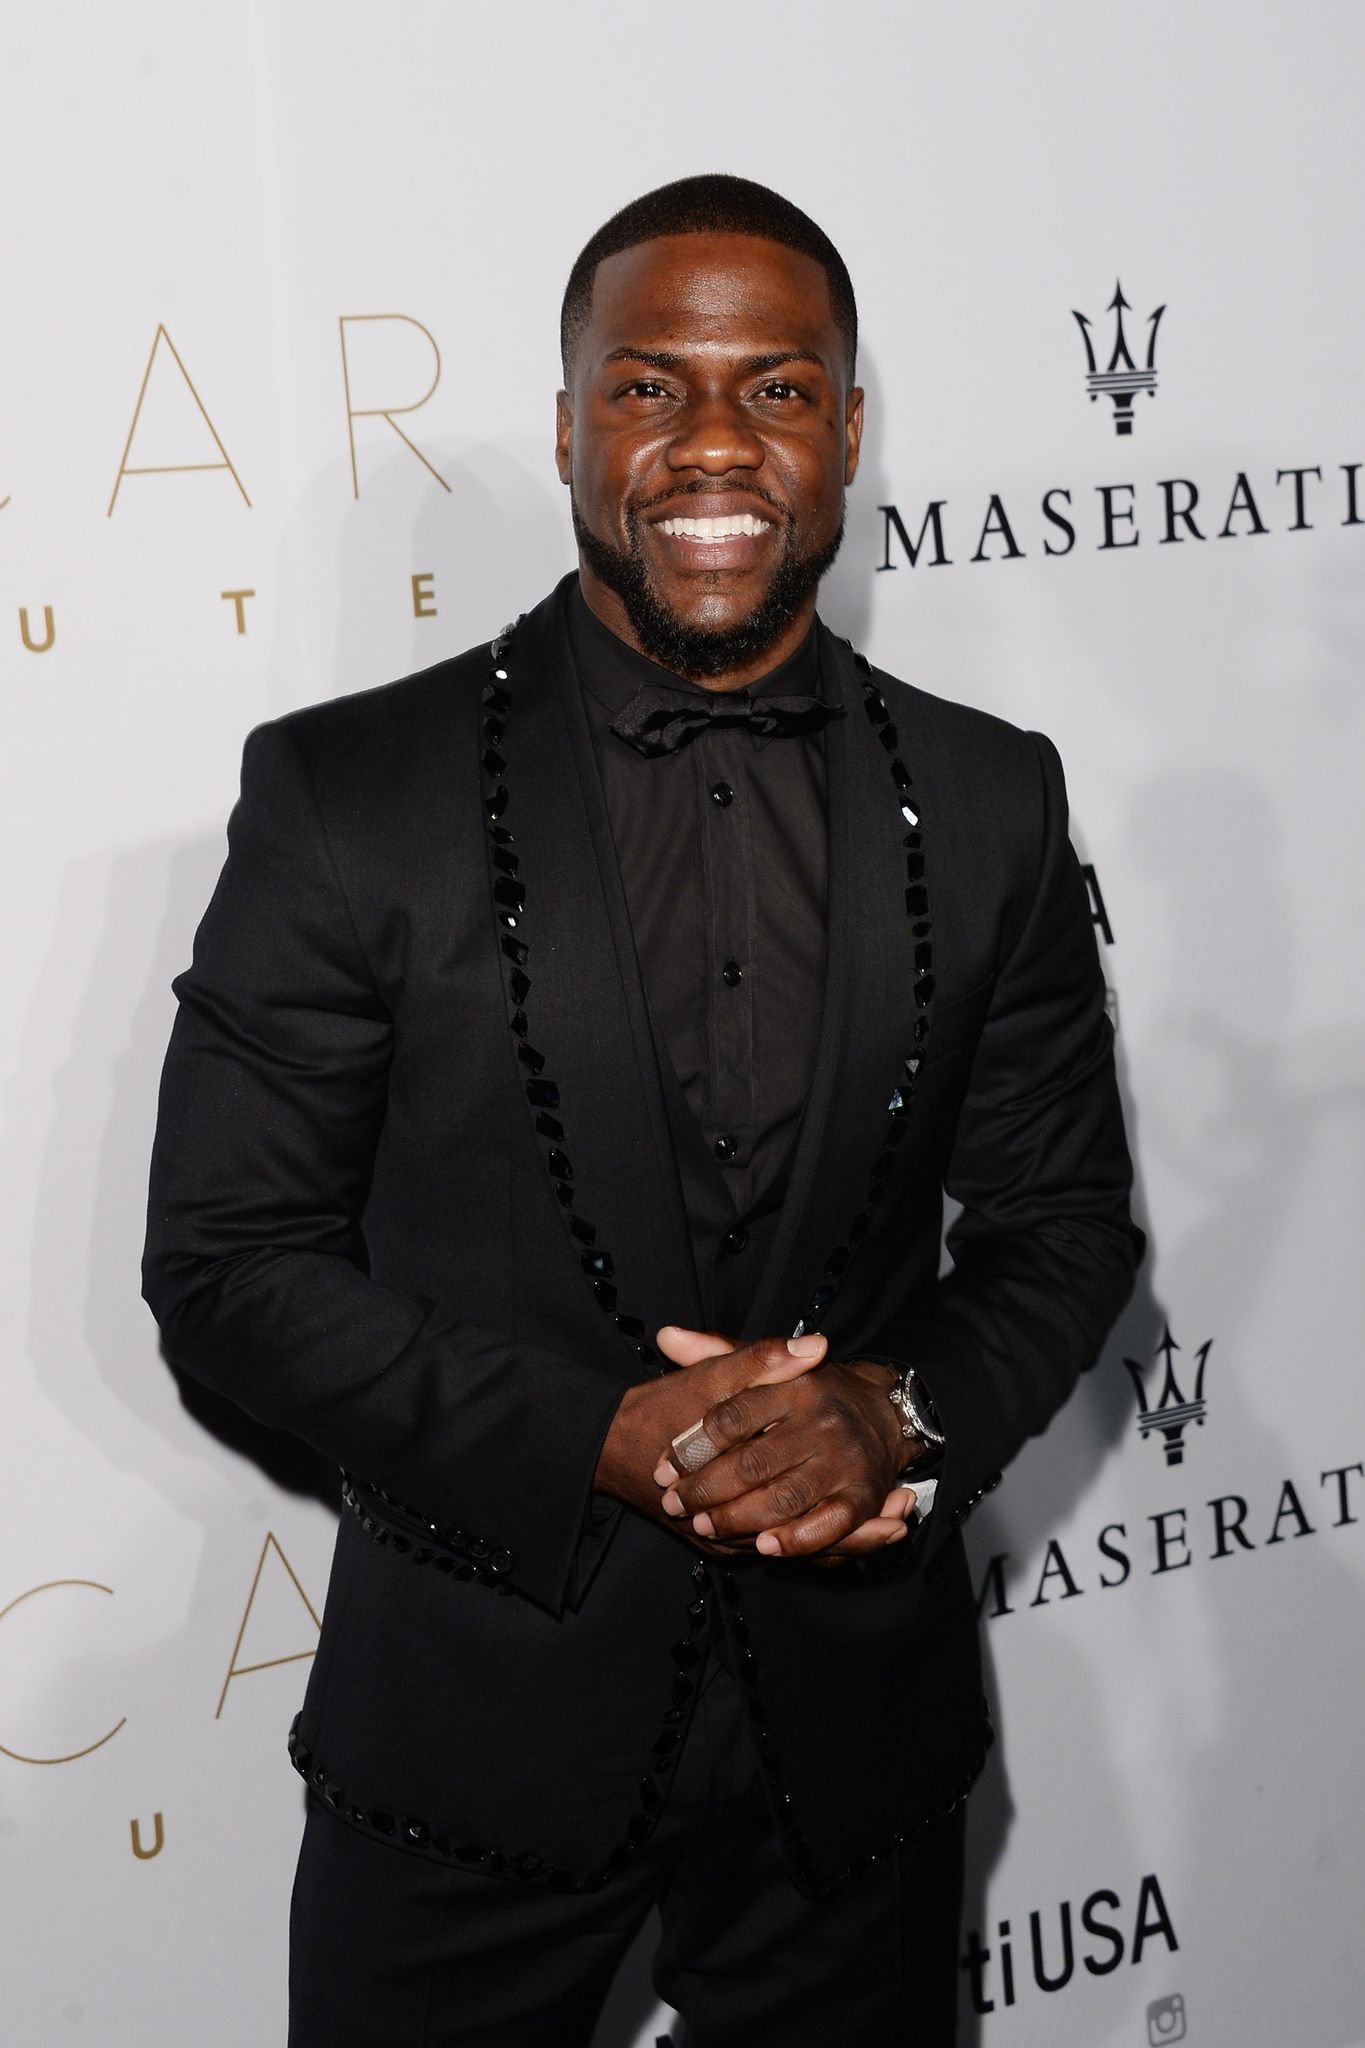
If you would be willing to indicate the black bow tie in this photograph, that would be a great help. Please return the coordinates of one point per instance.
(660, 718)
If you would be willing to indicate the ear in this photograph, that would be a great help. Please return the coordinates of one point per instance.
(853, 432)
(563, 437)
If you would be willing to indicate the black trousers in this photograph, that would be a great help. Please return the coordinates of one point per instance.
(391, 1950)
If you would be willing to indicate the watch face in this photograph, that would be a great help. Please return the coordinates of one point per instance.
(921, 1411)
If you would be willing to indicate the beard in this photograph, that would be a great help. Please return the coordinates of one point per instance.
(697, 652)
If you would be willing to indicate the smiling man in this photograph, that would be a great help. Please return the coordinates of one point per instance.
(708, 479)
(555, 1134)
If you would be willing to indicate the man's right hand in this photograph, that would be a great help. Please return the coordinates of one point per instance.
(658, 1410)
(654, 1412)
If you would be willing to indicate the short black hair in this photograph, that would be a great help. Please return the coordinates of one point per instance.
(714, 204)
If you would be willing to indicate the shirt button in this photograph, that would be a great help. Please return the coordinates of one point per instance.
(735, 1240)
(722, 794)
(725, 1147)
(732, 974)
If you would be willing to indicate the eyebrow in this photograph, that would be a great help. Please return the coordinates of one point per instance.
(749, 366)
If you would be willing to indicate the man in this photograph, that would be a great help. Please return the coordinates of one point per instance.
(618, 998)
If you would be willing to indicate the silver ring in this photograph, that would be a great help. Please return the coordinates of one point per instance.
(693, 1449)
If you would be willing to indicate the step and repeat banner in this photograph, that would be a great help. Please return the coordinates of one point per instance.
(277, 371)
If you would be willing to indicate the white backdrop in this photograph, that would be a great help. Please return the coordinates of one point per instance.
(204, 216)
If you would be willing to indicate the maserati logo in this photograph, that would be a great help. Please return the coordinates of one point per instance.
(1171, 1414)
(1121, 379)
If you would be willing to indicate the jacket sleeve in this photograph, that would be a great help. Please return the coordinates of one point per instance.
(272, 1104)
(1044, 1250)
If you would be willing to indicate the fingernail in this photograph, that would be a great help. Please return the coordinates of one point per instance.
(805, 1347)
(899, 1535)
(664, 1473)
(767, 1542)
(672, 1504)
(703, 1525)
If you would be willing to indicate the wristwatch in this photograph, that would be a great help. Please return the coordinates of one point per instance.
(919, 1422)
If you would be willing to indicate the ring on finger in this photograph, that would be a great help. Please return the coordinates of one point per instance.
(693, 1448)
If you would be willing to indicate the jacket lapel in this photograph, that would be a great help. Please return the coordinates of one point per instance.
(875, 1010)
(580, 1030)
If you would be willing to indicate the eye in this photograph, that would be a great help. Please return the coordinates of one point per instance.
(643, 387)
(780, 390)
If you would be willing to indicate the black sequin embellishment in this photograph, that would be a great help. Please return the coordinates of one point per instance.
(687, 1656)
(510, 898)
(454, 1554)
(411, 1534)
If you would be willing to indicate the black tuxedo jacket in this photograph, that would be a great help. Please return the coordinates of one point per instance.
(415, 1196)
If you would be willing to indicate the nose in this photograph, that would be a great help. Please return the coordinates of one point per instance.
(714, 436)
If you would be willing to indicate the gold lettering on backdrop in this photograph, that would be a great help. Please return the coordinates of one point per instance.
(381, 412)
(424, 596)
(126, 468)
(51, 1586)
(236, 1670)
(26, 635)
(158, 1839)
(238, 598)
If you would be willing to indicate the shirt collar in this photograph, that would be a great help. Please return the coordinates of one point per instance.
(613, 671)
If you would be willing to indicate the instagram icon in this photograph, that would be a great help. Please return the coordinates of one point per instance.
(1166, 2020)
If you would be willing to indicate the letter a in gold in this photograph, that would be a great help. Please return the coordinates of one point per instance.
(236, 1670)
(127, 468)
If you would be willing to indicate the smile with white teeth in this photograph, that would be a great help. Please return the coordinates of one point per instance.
(729, 528)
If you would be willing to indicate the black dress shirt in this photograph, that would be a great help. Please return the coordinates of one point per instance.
(723, 849)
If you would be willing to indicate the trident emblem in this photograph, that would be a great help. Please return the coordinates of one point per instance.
(1172, 1413)
(1121, 379)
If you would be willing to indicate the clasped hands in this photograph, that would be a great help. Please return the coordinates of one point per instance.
(808, 1454)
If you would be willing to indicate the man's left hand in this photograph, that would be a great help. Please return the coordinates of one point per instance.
(804, 1469)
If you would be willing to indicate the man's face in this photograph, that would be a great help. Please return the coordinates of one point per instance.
(707, 436)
